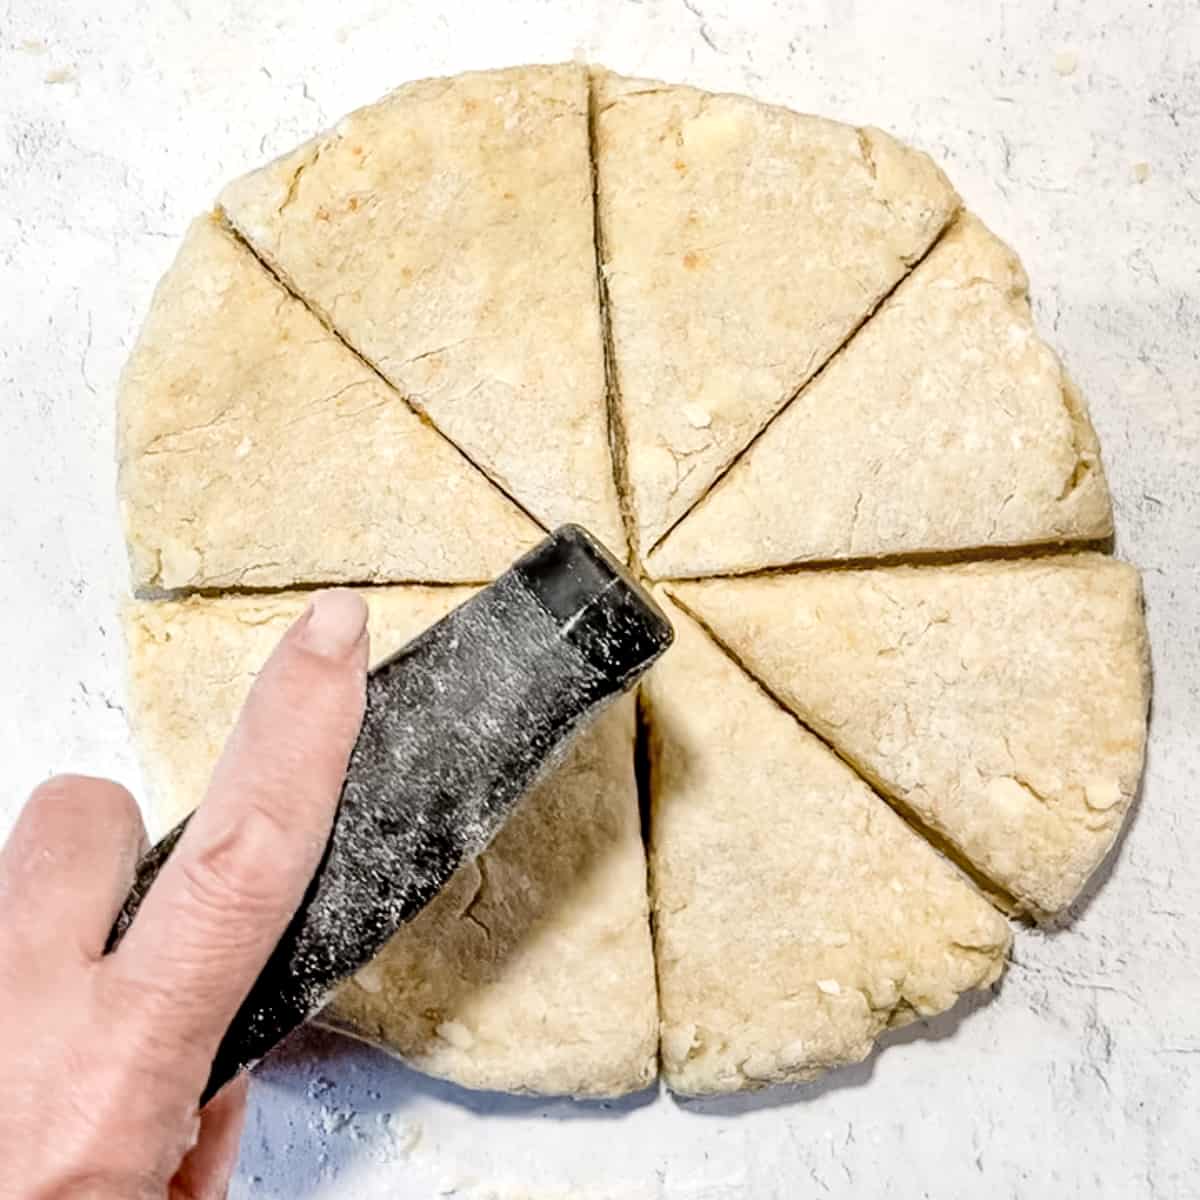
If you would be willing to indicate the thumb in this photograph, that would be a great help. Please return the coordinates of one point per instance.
(207, 1170)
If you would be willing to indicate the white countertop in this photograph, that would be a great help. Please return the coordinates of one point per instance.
(120, 119)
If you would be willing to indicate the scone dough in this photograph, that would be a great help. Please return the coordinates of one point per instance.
(257, 451)
(796, 916)
(945, 424)
(1002, 703)
(446, 233)
(532, 970)
(741, 245)
(743, 346)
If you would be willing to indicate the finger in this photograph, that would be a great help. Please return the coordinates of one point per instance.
(69, 863)
(224, 897)
(206, 1171)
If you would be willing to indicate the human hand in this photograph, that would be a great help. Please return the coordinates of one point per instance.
(103, 1058)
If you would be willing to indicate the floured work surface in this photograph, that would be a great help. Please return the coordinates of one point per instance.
(743, 347)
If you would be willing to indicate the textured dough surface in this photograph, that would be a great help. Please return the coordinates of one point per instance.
(741, 245)
(814, 355)
(447, 233)
(796, 916)
(239, 411)
(1002, 703)
(946, 423)
(532, 970)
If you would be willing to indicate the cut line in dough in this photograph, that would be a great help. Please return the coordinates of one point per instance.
(945, 424)
(618, 438)
(257, 451)
(447, 233)
(716, 321)
(1004, 703)
(796, 916)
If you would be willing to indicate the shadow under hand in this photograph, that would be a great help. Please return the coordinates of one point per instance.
(315, 1063)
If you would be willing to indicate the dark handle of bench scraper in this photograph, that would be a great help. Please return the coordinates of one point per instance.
(458, 726)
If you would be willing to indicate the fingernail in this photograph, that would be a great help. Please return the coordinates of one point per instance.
(336, 622)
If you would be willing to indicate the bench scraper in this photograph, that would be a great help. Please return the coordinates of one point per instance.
(458, 725)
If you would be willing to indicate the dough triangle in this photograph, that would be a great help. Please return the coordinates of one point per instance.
(532, 970)
(741, 245)
(945, 423)
(796, 916)
(447, 233)
(1002, 703)
(257, 451)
